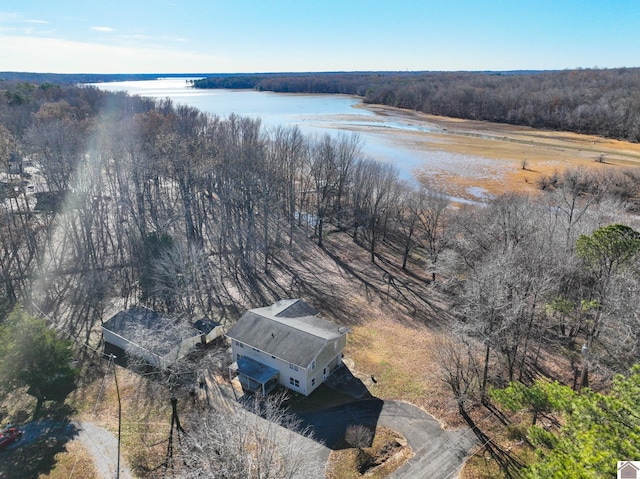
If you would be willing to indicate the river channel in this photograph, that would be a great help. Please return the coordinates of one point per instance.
(385, 138)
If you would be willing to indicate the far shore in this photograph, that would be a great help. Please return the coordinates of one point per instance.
(517, 156)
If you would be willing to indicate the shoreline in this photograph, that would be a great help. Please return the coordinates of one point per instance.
(505, 149)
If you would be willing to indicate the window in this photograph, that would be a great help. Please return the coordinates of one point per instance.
(313, 365)
(313, 381)
(294, 382)
(239, 344)
(293, 366)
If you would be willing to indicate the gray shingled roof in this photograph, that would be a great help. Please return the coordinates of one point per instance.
(286, 330)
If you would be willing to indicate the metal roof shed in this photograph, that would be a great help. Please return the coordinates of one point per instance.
(156, 338)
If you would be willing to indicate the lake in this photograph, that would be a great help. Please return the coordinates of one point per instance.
(401, 141)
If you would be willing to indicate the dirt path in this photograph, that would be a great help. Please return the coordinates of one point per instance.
(103, 447)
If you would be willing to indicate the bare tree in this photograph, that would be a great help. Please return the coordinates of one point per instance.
(376, 185)
(288, 153)
(433, 218)
(359, 436)
(459, 369)
(576, 192)
(510, 251)
(262, 441)
(180, 276)
(58, 145)
(332, 161)
(410, 206)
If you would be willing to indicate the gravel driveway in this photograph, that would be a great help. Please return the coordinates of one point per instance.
(51, 435)
(103, 447)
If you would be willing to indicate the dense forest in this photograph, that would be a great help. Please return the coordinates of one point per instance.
(598, 102)
(110, 199)
(80, 78)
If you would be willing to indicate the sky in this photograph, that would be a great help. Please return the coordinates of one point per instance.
(234, 36)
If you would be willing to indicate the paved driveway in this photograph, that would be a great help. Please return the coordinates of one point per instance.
(439, 454)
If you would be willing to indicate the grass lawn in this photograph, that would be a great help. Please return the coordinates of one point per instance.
(399, 356)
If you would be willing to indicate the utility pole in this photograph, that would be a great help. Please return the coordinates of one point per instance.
(115, 378)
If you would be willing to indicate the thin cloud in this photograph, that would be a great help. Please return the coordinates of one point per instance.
(12, 23)
(35, 54)
(103, 29)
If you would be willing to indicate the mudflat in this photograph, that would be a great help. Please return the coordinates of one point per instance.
(494, 158)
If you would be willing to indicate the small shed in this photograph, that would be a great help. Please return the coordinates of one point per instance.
(158, 339)
(209, 330)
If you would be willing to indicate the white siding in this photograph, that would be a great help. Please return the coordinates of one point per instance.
(329, 358)
(162, 362)
(132, 348)
(285, 371)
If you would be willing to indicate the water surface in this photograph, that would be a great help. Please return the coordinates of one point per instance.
(389, 139)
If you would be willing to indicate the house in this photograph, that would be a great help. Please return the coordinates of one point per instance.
(286, 343)
(157, 339)
(628, 469)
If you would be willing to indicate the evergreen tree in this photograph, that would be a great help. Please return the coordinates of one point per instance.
(596, 431)
(32, 356)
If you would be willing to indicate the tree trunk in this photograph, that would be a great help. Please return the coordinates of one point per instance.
(485, 375)
(320, 224)
(38, 409)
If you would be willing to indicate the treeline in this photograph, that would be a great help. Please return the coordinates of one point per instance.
(78, 78)
(149, 201)
(194, 215)
(146, 200)
(339, 83)
(598, 102)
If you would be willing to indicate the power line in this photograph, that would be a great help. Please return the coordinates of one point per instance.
(95, 409)
(69, 335)
(115, 378)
